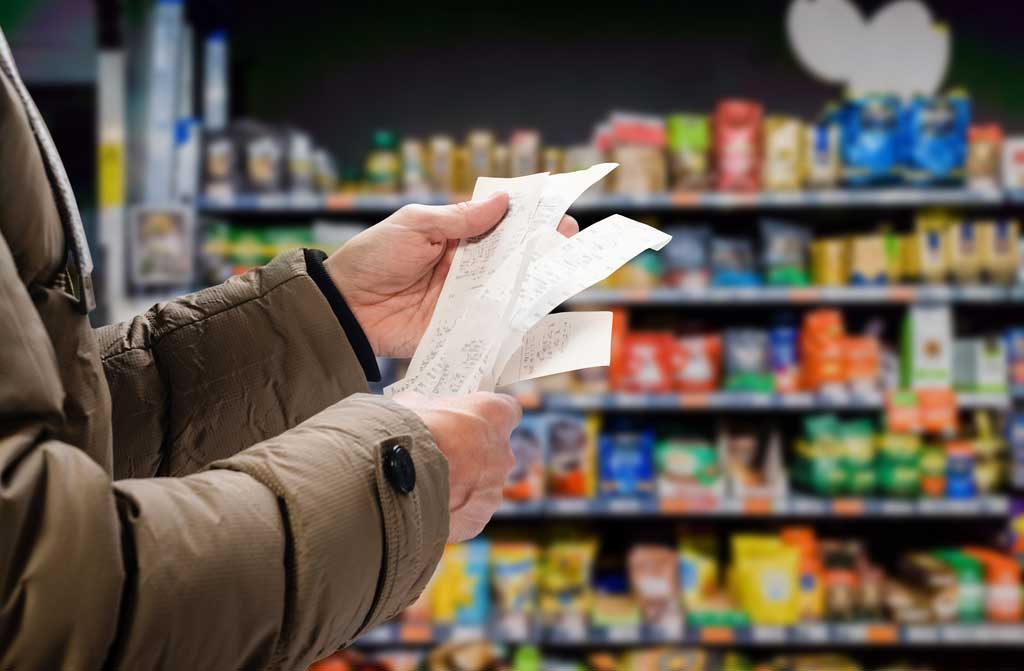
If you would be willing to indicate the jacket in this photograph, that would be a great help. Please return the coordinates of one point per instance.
(201, 487)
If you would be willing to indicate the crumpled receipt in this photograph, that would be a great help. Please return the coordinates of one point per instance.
(491, 326)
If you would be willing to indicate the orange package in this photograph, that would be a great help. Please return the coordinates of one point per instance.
(862, 360)
(821, 349)
(646, 363)
(1002, 584)
(696, 363)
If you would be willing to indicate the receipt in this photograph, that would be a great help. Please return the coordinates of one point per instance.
(477, 259)
(562, 190)
(560, 343)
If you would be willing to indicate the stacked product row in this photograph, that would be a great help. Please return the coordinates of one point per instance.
(562, 456)
(480, 656)
(869, 141)
(755, 579)
(941, 247)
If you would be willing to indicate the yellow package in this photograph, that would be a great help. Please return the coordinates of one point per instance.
(998, 241)
(514, 577)
(963, 249)
(867, 260)
(927, 253)
(442, 164)
(566, 578)
(782, 167)
(828, 262)
(698, 570)
(764, 579)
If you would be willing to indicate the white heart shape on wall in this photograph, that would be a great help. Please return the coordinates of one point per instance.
(901, 49)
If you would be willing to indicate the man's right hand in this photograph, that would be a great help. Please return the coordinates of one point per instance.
(472, 432)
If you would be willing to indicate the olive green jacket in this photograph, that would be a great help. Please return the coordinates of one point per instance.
(187, 490)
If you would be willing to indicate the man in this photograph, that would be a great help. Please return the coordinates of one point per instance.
(290, 520)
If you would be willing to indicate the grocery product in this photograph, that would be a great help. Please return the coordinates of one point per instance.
(566, 575)
(687, 468)
(553, 160)
(783, 341)
(698, 569)
(383, 169)
(821, 349)
(524, 152)
(751, 459)
(764, 579)
(928, 347)
(696, 362)
(926, 255)
(984, 147)
(980, 364)
(626, 463)
(460, 593)
(935, 138)
(811, 594)
(821, 150)
(514, 579)
(653, 581)
(784, 253)
(746, 360)
(963, 245)
(828, 262)
(870, 140)
(442, 164)
(732, 262)
(1013, 162)
(571, 460)
(529, 443)
(221, 166)
(970, 586)
(737, 145)
(687, 257)
(1002, 584)
(480, 156)
(868, 260)
(646, 362)
(998, 242)
(960, 482)
(782, 159)
(415, 179)
(689, 144)
(612, 605)
(636, 142)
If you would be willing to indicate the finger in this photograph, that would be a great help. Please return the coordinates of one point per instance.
(463, 220)
(568, 226)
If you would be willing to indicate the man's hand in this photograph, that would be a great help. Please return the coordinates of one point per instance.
(391, 274)
(472, 432)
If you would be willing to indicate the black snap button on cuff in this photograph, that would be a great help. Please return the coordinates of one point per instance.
(399, 469)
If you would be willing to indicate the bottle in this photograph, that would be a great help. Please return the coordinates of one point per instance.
(382, 165)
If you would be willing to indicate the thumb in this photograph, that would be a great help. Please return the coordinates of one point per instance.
(468, 218)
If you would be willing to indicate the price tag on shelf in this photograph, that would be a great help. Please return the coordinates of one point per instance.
(568, 506)
(717, 635)
(769, 635)
(895, 507)
(513, 628)
(851, 633)
(626, 506)
(670, 631)
(622, 633)
(384, 633)
(462, 633)
(846, 507)
(410, 632)
(882, 634)
(921, 634)
(757, 505)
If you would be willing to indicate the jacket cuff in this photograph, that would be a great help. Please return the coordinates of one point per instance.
(356, 336)
(360, 550)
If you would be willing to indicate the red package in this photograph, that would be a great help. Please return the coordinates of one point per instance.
(646, 363)
(737, 145)
(697, 363)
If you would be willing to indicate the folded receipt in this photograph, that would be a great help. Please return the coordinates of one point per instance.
(491, 326)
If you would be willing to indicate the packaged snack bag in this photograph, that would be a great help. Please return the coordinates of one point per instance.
(529, 445)
(687, 257)
(566, 577)
(571, 461)
(515, 570)
(737, 145)
(461, 590)
(983, 153)
(696, 363)
(784, 252)
(747, 360)
(764, 579)
(689, 141)
(732, 263)
(698, 569)
(647, 362)
(783, 341)
(480, 148)
(828, 262)
(867, 260)
(821, 151)
(442, 164)
(783, 154)
(626, 463)
(997, 242)
(927, 254)
(687, 468)
(870, 140)
(1013, 163)
(935, 133)
(964, 248)
(653, 582)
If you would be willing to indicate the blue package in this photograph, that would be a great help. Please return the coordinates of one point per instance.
(870, 140)
(783, 345)
(934, 132)
(626, 463)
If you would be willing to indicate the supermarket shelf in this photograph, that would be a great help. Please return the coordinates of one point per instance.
(744, 401)
(308, 204)
(789, 506)
(898, 294)
(833, 635)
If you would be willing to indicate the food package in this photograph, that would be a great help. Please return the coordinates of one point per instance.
(926, 255)
(984, 150)
(928, 347)
(653, 579)
(980, 365)
(764, 579)
(870, 140)
(529, 446)
(442, 164)
(687, 257)
(784, 253)
(828, 262)
(732, 262)
(415, 180)
(572, 447)
(696, 363)
(383, 169)
(935, 137)
(998, 242)
(737, 145)
(698, 569)
(689, 144)
(626, 463)
(867, 259)
(687, 469)
(783, 341)
(647, 362)
(783, 154)
(1013, 163)
(515, 570)
(460, 594)
(963, 246)
(480, 157)
(565, 580)
(821, 151)
(746, 359)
